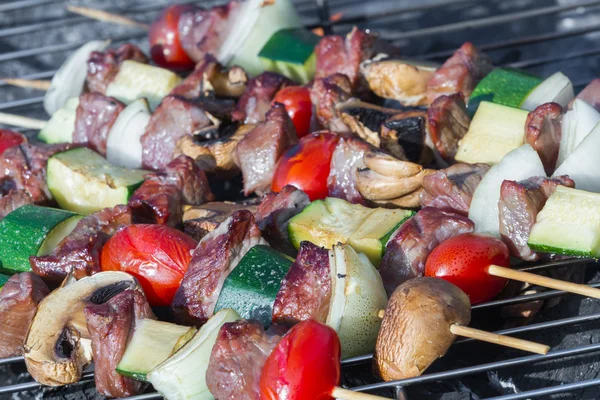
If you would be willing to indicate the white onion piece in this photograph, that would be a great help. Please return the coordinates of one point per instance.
(521, 163)
(123, 146)
(557, 89)
(583, 165)
(69, 80)
(576, 125)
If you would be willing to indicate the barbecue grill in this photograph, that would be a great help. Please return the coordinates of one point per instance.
(540, 36)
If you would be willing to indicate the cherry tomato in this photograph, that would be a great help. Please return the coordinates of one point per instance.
(464, 259)
(306, 165)
(9, 139)
(156, 255)
(165, 48)
(304, 365)
(296, 100)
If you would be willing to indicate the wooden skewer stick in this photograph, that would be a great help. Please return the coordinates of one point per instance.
(20, 121)
(503, 340)
(107, 17)
(26, 83)
(551, 283)
(345, 394)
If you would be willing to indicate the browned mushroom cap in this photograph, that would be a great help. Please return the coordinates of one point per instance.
(401, 80)
(415, 330)
(226, 82)
(200, 220)
(58, 347)
(214, 155)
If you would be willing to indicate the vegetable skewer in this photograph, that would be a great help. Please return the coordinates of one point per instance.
(105, 16)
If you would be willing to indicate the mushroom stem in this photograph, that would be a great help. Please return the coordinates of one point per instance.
(345, 394)
(526, 345)
(527, 277)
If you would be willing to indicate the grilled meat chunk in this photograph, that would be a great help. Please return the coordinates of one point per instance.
(343, 55)
(257, 153)
(199, 221)
(173, 119)
(519, 204)
(111, 325)
(13, 200)
(23, 168)
(452, 188)
(408, 249)
(543, 132)
(214, 258)
(96, 114)
(274, 213)
(325, 94)
(460, 73)
(80, 250)
(237, 359)
(19, 298)
(160, 198)
(103, 66)
(256, 100)
(305, 291)
(202, 31)
(591, 94)
(448, 121)
(346, 160)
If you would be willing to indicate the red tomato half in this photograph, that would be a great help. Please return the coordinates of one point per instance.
(464, 259)
(296, 100)
(165, 48)
(306, 165)
(156, 255)
(304, 365)
(9, 139)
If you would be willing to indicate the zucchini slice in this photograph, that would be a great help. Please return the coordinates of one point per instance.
(3, 279)
(83, 181)
(32, 230)
(61, 125)
(495, 131)
(183, 375)
(356, 299)
(568, 224)
(152, 343)
(251, 288)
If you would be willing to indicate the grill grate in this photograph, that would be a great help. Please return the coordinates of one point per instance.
(537, 35)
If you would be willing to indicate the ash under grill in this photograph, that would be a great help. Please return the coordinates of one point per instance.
(540, 36)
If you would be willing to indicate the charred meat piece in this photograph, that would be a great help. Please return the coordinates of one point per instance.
(460, 73)
(13, 200)
(160, 198)
(199, 221)
(274, 214)
(399, 80)
(543, 132)
(214, 258)
(343, 55)
(80, 250)
(110, 326)
(407, 251)
(346, 160)
(448, 121)
(103, 66)
(172, 120)
(452, 188)
(19, 298)
(96, 114)
(209, 77)
(256, 100)
(23, 167)
(202, 31)
(519, 204)
(237, 359)
(325, 94)
(257, 153)
(305, 291)
(404, 134)
(591, 94)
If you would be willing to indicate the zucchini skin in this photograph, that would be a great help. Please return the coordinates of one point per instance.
(542, 248)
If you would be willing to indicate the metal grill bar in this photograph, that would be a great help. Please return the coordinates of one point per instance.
(21, 387)
(567, 387)
(17, 5)
(21, 103)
